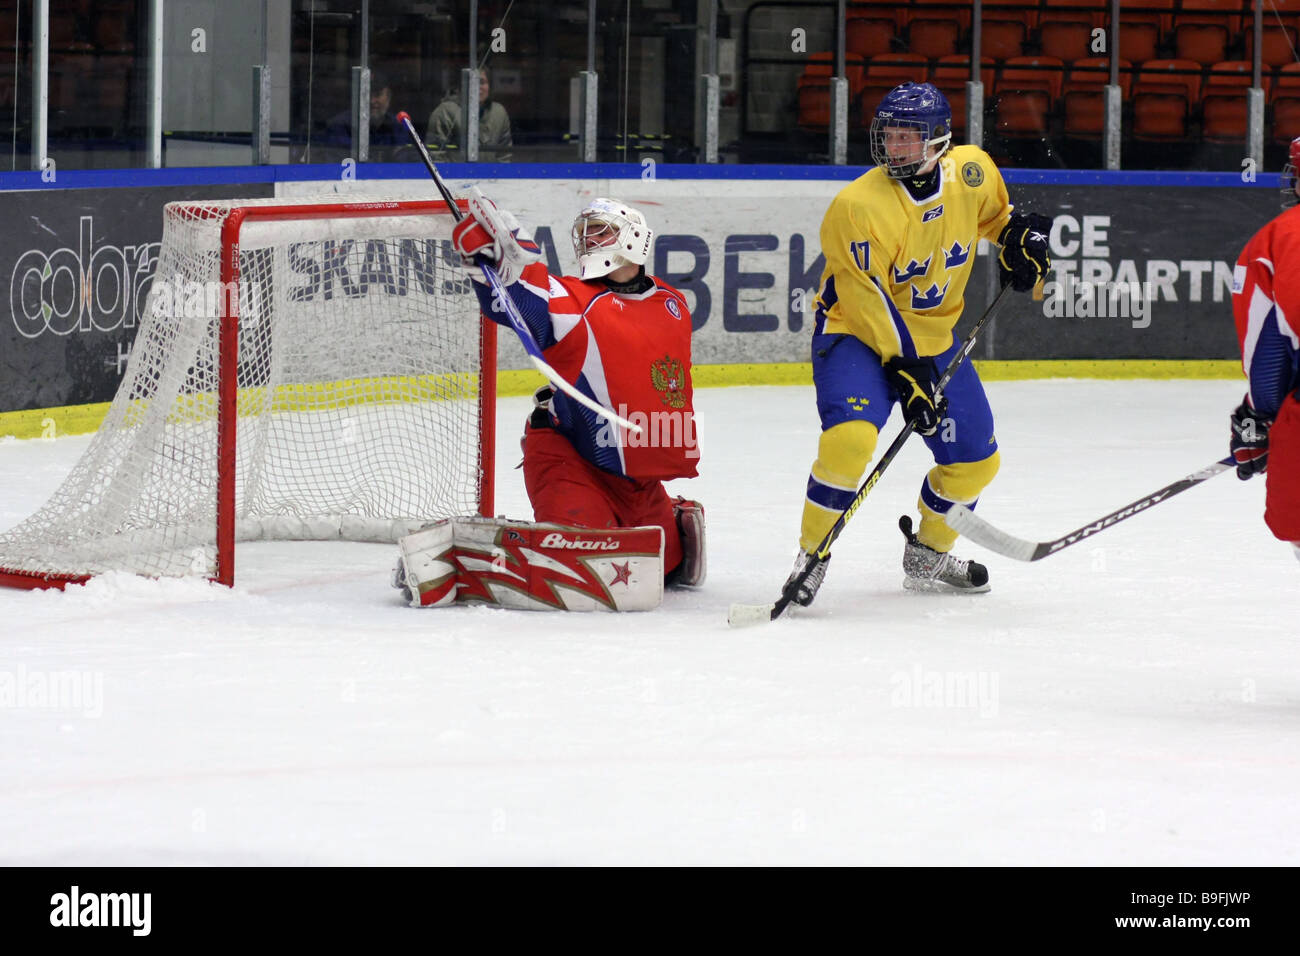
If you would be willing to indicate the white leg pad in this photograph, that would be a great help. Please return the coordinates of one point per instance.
(690, 522)
(520, 564)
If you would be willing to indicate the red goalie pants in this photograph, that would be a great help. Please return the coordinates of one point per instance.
(565, 488)
(1282, 503)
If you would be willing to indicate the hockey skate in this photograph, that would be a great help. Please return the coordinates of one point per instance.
(808, 589)
(925, 569)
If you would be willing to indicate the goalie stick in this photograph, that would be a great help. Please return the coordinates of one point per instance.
(507, 304)
(742, 615)
(964, 521)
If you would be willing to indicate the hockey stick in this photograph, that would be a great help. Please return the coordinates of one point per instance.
(507, 304)
(742, 615)
(964, 521)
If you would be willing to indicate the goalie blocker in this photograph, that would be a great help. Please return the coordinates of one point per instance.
(535, 566)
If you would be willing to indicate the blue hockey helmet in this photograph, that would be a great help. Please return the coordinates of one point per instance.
(911, 106)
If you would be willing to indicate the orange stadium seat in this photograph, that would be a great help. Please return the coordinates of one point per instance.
(1067, 40)
(1224, 108)
(1024, 11)
(814, 88)
(1286, 104)
(1084, 104)
(1095, 13)
(1287, 12)
(1045, 73)
(935, 9)
(1138, 42)
(1171, 75)
(1002, 39)
(1163, 98)
(1225, 117)
(1094, 73)
(933, 38)
(1287, 78)
(1140, 33)
(891, 10)
(1205, 43)
(1234, 74)
(1278, 48)
(869, 34)
(950, 76)
(1022, 113)
(1225, 13)
(954, 70)
(1027, 90)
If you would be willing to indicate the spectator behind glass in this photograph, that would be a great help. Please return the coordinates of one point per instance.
(493, 123)
(385, 134)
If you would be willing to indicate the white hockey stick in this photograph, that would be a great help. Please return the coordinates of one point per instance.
(507, 304)
(964, 521)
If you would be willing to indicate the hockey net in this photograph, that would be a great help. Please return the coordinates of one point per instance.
(303, 370)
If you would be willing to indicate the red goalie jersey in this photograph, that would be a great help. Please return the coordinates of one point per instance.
(631, 352)
(1266, 306)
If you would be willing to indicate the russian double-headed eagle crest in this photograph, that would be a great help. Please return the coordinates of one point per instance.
(669, 378)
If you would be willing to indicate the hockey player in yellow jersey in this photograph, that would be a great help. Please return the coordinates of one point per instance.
(900, 243)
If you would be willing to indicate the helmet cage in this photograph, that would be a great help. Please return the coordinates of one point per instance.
(608, 235)
(935, 137)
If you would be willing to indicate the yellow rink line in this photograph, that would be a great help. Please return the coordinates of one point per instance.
(79, 419)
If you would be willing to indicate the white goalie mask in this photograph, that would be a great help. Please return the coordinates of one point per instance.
(607, 235)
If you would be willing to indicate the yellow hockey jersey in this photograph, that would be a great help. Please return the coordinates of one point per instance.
(896, 267)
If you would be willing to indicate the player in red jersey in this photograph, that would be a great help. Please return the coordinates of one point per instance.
(1266, 306)
(623, 338)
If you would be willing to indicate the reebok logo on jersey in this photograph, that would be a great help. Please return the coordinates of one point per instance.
(1238, 279)
(934, 213)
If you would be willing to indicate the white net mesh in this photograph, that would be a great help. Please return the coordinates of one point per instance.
(359, 385)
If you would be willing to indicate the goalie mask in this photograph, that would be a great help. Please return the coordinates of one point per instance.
(1289, 197)
(912, 126)
(607, 235)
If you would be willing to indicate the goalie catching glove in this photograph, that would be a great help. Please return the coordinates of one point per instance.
(496, 236)
(1025, 259)
(914, 381)
(1249, 442)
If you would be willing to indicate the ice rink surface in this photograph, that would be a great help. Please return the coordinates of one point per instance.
(1133, 700)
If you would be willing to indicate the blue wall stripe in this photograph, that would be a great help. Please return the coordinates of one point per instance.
(330, 172)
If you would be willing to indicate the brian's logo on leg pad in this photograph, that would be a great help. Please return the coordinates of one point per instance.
(531, 566)
(575, 543)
